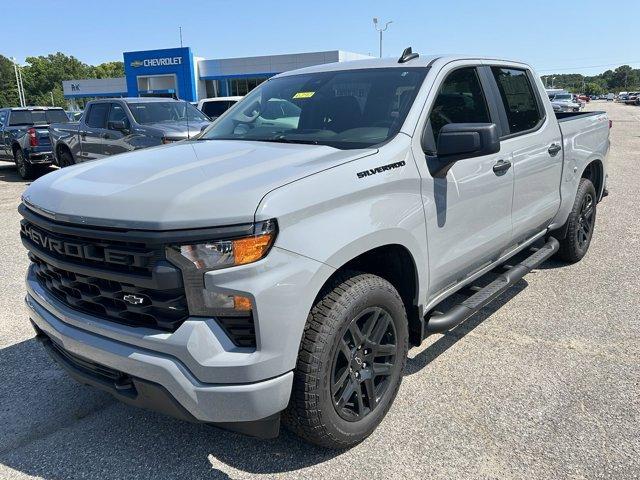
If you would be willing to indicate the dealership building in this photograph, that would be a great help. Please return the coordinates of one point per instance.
(177, 73)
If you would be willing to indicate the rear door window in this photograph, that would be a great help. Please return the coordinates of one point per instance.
(518, 98)
(97, 116)
(460, 100)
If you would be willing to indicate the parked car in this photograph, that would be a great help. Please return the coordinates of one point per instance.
(24, 137)
(584, 98)
(119, 125)
(610, 97)
(632, 98)
(565, 102)
(216, 106)
(264, 272)
(622, 96)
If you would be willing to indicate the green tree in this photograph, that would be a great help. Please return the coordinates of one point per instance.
(623, 78)
(593, 88)
(44, 75)
(8, 87)
(109, 70)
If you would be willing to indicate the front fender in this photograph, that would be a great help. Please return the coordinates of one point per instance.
(334, 215)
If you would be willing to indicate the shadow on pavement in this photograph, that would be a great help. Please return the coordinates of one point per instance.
(450, 338)
(53, 427)
(56, 428)
(9, 174)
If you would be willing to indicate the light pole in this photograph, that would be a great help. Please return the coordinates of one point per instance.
(552, 83)
(18, 73)
(380, 30)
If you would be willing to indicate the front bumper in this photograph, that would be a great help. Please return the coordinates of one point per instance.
(204, 402)
(197, 365)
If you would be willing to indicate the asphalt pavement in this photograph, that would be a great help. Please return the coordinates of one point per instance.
(544, 383)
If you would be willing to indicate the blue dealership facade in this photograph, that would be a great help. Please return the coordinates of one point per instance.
(177, 73)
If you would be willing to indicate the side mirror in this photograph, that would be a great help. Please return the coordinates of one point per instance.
(119, 125)
(458, 141)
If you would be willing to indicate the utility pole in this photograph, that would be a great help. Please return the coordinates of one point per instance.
(180, 37)
(53, 104)
(380, 30)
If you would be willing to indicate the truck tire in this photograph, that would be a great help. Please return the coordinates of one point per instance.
(580, 224)
(350, 362)
(25, 169)
(66, 159)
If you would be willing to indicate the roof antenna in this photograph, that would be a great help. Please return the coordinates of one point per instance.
(407, 55)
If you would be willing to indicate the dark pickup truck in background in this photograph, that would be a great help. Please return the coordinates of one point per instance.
(118, 125)
(24, 137)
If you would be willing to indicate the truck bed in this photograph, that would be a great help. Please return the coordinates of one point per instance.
(567, 116)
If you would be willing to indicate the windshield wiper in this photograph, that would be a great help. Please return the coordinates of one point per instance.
(286, 140)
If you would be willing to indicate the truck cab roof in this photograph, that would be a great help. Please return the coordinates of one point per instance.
(420, 61)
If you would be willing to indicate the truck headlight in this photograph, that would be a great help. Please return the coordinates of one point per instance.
(196, 259)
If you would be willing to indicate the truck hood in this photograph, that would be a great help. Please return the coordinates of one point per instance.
(186, 185)
(178, 130)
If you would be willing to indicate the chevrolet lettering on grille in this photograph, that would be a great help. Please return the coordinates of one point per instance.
(81, 250)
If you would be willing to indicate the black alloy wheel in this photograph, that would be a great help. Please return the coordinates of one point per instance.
(585, 221)
(363, 364)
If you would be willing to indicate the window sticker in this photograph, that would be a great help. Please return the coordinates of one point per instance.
(303, 95)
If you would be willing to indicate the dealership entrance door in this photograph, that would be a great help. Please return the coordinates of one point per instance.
(158, 85)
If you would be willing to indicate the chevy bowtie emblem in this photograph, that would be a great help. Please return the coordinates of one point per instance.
(137, 63)
(133, 299)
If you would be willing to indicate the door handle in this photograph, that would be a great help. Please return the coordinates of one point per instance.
(501, 167)
(554, 148)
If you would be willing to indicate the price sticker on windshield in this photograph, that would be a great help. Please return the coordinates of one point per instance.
(303, 95)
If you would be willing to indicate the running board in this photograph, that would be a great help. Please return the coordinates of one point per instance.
(441, 322)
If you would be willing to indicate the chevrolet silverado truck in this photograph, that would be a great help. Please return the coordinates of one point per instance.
(119, 125)
(280, 270)
(24, 137)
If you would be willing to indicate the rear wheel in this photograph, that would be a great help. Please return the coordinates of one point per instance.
(580, 224)
(25, 169)
(350, 362)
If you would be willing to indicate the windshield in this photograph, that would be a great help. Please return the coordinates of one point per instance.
(343, 109)
(563, 97)
(37, 117)
(162, 112)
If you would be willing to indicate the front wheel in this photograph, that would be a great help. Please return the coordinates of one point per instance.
(580, 224)
(66, 159)
(350, 362)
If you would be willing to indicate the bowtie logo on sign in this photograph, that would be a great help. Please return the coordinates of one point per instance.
(157, 62)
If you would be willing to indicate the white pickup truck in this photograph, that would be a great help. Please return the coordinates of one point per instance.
(282, 267)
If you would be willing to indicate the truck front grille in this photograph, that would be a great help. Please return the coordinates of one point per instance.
(116, 275)
(121, 302)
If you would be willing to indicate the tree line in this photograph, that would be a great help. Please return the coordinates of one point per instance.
(42, 77)
(622, 79)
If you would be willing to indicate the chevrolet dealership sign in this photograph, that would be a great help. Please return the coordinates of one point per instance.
(157, 62)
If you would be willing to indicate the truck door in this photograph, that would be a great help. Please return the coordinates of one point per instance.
(92, 130)
(468, 212)
(115, 140)
(533, 139)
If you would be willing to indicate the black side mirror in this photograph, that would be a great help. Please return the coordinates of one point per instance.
(119, 125)
(458, 141)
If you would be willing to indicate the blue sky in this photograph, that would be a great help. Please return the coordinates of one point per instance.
(554, 36)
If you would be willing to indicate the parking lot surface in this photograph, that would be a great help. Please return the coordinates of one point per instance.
(544, 383)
